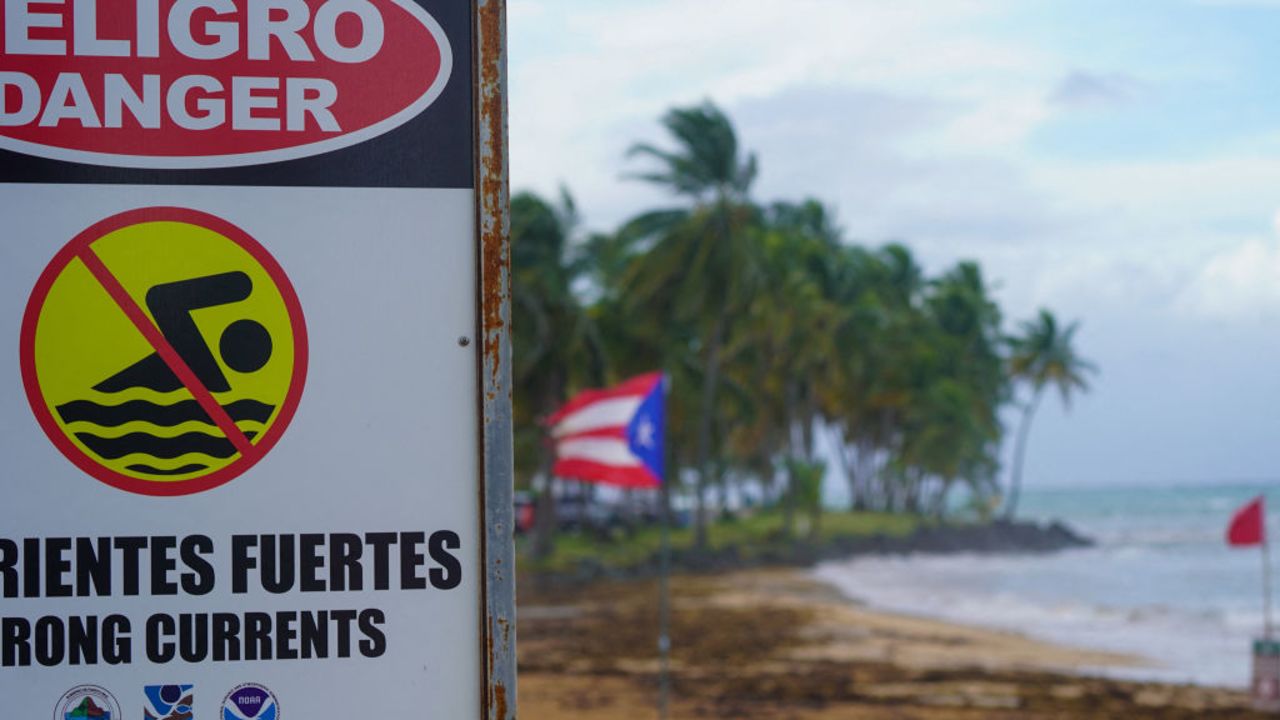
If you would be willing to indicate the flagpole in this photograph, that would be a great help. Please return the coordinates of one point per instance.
(664, 610)
(664, 576)
(1266, 580)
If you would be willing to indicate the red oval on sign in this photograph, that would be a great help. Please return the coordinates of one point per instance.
(180, 84)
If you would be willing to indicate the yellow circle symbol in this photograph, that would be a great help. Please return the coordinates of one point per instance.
(164, 351)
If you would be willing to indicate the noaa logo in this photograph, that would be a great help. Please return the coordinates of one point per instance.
(250, 701)
(87, 702)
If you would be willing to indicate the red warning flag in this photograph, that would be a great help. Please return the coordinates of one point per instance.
(1248, 527)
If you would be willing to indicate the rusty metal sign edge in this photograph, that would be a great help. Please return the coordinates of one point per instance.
(498, 620)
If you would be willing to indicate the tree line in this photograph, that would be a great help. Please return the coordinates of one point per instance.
(776, 331)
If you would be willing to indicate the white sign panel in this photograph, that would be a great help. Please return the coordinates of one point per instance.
(239, 432)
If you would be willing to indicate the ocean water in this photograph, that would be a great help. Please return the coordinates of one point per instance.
(1161, 584)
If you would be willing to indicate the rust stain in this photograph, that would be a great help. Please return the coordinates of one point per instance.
(493, 190)
(500, 700)
(493, 184)
(489, 643)
(498, 705)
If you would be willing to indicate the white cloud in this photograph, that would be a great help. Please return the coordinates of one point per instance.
(921, 120)
(1241, 283)
(903, 115)
(997, 123)
(594, 77)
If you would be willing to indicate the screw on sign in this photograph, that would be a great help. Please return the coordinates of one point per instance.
(164, 351)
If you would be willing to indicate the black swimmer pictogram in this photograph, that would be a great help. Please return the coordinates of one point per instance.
(244, 346)
(164, 351)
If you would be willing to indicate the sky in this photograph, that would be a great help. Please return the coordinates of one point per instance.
(1116, 162)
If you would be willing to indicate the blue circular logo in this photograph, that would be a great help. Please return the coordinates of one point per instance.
(250, 701)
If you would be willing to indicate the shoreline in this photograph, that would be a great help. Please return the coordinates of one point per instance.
(1086, 599)
(1020, 537)
(853, 630)
(774, 643)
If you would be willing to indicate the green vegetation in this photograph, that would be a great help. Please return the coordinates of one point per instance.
(756, 534)
(775, 330)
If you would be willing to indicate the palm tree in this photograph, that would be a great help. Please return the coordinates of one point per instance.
(556, 343)
(1044, 355)
(697, 270)
(958, 386)
(787, 335)
(885, 348)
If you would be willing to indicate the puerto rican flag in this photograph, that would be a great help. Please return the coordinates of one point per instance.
(613, 436)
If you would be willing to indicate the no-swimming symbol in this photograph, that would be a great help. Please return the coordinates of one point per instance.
(164, 351)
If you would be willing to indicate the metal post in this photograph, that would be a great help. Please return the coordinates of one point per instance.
(1266, 582)
(664, 609)
(493, 188)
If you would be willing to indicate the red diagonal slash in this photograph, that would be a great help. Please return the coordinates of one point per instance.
(167, 353)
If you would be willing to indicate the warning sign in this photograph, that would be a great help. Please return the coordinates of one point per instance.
(164, 351)
(255, 422)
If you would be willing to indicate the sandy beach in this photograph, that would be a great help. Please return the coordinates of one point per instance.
(779, 644)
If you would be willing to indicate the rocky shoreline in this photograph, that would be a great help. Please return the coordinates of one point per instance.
(997, 537)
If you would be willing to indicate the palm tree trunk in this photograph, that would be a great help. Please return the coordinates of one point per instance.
(867, 453)
(914, 481)
(940, 499)
(544, 516)
(848, 466)
(546, 524)
(789, 510)
(711, 381)
(888, 486)
(1020, 454)
(808, 431)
